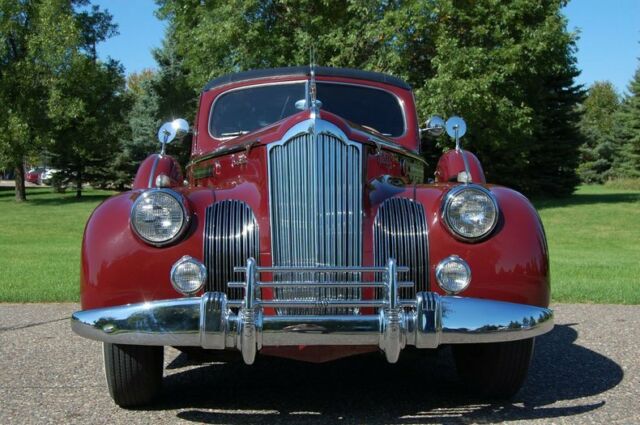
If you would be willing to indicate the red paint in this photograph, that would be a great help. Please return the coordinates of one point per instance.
(118, 268)
(451, 163)
(164, 164)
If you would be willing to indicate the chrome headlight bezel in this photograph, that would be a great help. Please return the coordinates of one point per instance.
(186, 216)
(446, 204)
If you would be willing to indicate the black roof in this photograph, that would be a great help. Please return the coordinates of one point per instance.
(304, 71)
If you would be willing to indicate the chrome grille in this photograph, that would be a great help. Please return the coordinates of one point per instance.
(230, 237)
(400, 232)
(316, 215)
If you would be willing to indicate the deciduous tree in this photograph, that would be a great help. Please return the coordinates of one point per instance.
(507, 67)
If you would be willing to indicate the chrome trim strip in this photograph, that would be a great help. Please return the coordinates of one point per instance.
(400, 232)
(315, 204)
(153, 171)
(430, 321)
(231, 235)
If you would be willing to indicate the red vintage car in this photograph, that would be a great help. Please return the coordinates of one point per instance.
(306, 229)
(34, 175)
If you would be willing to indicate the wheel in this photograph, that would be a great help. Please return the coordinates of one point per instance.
(134, 373)
(495, 370)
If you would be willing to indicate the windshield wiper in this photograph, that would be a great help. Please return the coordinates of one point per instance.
(234, 133)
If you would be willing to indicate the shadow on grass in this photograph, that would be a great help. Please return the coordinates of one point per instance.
(586, 199)
(45, 196)
(365, 389)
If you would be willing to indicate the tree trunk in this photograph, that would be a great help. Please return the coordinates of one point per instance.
(79, 184)
(21, 192)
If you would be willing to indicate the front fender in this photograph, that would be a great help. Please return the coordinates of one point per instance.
(118, 268)
(510, 265)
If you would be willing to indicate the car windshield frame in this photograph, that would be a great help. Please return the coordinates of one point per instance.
(304, 83)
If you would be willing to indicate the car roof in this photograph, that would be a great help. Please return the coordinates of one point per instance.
(305, 71)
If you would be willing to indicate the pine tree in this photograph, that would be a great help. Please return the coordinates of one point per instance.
(142, 126)
(598, 127)
(628, 163)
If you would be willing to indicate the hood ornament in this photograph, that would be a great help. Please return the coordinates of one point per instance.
(312, 92)
(310, 101)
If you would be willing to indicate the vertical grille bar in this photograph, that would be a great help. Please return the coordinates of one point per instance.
(316, 213)
(230, 237)
(400, 232)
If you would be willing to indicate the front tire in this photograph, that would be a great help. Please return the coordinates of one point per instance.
(494, 370)
(134, 373)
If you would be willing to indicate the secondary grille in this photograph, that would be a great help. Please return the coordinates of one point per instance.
(316, 214)
(230, 237)
(400, 232)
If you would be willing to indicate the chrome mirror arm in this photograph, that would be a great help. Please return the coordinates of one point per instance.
(456, 128)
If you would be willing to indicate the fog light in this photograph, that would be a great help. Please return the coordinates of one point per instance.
(453, 274)
(188, 275)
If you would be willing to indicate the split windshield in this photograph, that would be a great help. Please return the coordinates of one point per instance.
(242, 111)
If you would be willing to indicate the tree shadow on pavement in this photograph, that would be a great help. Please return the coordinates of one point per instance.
(365, 389)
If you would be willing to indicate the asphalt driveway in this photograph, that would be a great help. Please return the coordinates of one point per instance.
(585, 371)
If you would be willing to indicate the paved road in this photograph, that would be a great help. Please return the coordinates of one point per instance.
(585, 371)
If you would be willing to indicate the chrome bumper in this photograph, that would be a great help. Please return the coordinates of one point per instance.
(209, 321)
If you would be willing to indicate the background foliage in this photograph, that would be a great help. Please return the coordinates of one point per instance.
(508, 67)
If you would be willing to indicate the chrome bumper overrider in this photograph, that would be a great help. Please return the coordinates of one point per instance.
(427, 321)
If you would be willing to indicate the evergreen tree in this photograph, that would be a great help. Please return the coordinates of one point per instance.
(508, 68)
(598, 126)
(142, 126)
(628, 163)
(176, 97)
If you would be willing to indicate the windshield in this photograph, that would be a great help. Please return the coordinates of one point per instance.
(242, 111)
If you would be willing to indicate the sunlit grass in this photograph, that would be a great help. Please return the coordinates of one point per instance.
(40, 244)
(594, 243)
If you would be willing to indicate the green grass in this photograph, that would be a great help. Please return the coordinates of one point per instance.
(594, 241)
(594, 245)
(40, 244)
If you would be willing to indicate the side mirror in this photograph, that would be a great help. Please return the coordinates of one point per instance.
(171, 130)
(435, 126)
(456, 127)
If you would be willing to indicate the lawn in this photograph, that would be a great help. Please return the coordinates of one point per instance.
(594, 240)
(40, 244)
(594, 245)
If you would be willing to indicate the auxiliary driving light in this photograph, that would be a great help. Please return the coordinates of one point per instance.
(453, 274)
(188, 275)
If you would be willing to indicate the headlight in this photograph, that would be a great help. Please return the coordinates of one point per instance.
(453, 274)
(159, 216)
(188, 275)
(470, 212)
